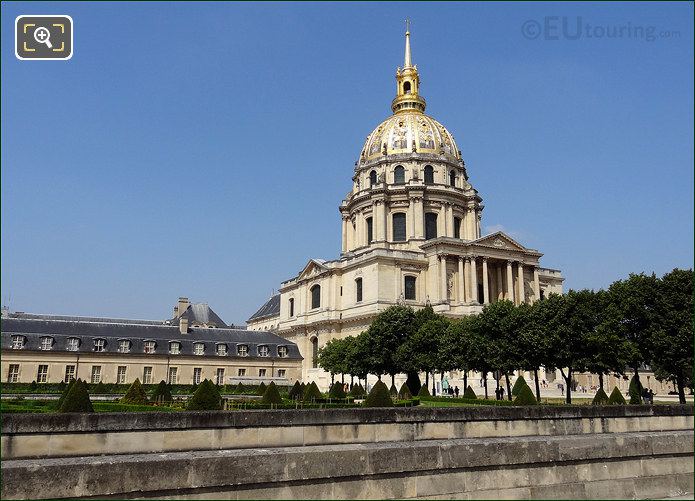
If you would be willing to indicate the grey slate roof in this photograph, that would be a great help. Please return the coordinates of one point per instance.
(271, 308)
(200, 313)
(137, 333)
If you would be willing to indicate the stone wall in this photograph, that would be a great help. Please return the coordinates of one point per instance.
(472, 452)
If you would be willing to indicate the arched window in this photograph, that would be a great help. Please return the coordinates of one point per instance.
(430, 225)
(291, 307)
(452, 178)
(399, 227)
(315, 352)
(372, 178)
(457, 227)
(370, 230)
(315, 296)
(399, 175)
(406, 87)
(409, 289)
(429, 174)
(358, 290)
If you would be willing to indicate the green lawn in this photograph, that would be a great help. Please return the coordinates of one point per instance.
(43, 406)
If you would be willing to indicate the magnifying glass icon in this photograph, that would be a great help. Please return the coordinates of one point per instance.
(42, 35)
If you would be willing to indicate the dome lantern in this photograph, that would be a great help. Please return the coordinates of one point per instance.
(408, 83)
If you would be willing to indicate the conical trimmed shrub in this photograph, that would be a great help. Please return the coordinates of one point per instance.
(404, 392)
(357, 391)
(337, 391)
(616, 397)
(424, 392)
(296, 391)
(65, 394)
(261, 388)
(393, 391)
(311, 392)
(271, 395)
(99, 389)
(635, 391)
(600, 398)
(206, 398)
(77, 399)
(520, 381)
(135, 394)
(162, 393)
(379, 396)
(240, 389)
(525, 396)
(469, 393)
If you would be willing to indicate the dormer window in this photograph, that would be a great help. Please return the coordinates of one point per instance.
(198, 349)
(221, 350)
(263, 351)
(242, 350)
(46, 343)
(282, 351)
(150, 346)
(124, 346)
(99, 345)
(175, 348)
(18, 342)
(73, 344)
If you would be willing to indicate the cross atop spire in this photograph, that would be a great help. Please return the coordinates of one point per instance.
(407, 63)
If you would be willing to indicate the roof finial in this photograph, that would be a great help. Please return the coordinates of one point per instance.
(407, 63)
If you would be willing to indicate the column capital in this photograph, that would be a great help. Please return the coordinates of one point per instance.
(484, 259)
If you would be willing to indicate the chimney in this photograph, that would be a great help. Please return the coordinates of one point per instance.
(183, 326)
(181, 306)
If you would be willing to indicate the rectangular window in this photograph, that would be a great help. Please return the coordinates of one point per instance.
(221, 350)
(120, 374)
(410, 292)
(430, 225)
(17, 342)
(96, 373)
(263, 351)
(69, 373)
(173, 375)
(150, 346)
(241, 372)
(457, 227)
(13, 373)
(198, 349)
(282, 351)
(124, 346)
(399, 227)
(73, 344)
(197, 374)
(243, 350)
(261, 372)
(46, 343)
(358, 290)
(281, 372)
(219, 377)
(99, 345)
(291, 307)
(174, 348)
(147, 375)
(370, 230)
(42, 374)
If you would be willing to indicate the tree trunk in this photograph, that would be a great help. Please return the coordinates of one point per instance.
(352, 378)
(600, 380)
(434, 385)
(485, 383)
(427, 379)
(393, 380)
(538, 385)
(342, 378)
(681, 389)
(509, 387)
(568, 385)
(465, 380)
(332, 378)
(379, 377)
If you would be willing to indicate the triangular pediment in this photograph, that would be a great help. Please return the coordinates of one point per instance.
(312, 268)
(499, 240)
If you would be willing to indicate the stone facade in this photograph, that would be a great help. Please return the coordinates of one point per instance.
(411, 234)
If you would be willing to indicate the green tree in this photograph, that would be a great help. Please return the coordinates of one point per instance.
(332, 357)
(420, 351)
(672, 335)
(135, 394)
(385, 335)
(261, 389)
(533, 342)
(206, 398)
(475, 347)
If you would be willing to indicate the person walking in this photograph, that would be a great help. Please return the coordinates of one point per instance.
(456, 391)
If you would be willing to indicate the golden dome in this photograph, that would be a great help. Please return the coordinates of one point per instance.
(410, 132)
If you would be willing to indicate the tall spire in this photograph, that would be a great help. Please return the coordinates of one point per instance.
(407, 63)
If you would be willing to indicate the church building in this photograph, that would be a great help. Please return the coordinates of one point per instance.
(411, 235)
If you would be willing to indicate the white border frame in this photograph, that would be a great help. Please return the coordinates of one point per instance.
(72, 36)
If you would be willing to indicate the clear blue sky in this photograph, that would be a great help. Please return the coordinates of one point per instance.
(203, 149)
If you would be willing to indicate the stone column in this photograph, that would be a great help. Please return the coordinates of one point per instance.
(442, 222)
(500, 284)
(344, 234)
(520, 284)
(411, 219)
(359, 227)
(477, 224)
(510, 282)
(536, 285)
(486, 293)
(467, 274)
(384, 220)
(462, 287)
(419, 217)
(442, 278)
(449, 220)
(474, 281)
